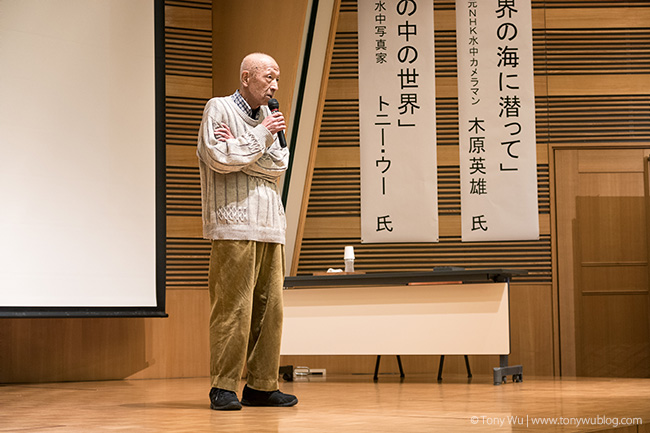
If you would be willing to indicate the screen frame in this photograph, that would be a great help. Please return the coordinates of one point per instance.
(160, 208)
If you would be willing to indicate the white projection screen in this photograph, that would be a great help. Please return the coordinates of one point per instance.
(82, 228)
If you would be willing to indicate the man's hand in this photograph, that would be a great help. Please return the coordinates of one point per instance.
(223, 133)
(275, 122)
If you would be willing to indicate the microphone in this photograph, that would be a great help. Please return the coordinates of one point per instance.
(274, 106)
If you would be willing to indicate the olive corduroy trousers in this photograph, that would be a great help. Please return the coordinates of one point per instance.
(245, 283)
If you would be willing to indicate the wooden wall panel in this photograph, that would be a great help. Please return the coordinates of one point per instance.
(46, 350)
(599, 85)
(178, 346)
(597, 74)
(590, 87)
(57, 350)
(195, 15)
(333, 208)
(275, 28)
(608, 15)
(189, 87)
(189, 65)
(592, 69)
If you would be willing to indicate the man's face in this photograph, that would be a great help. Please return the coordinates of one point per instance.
(261, 83)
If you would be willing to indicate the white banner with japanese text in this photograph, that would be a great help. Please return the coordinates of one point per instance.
(397, 120)
(496, 106)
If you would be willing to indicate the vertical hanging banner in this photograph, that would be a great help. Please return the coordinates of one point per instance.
(496, 106)
(397, 121)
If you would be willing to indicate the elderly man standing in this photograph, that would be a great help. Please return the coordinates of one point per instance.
(240, 161)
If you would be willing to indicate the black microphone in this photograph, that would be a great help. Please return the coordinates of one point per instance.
(274, 106)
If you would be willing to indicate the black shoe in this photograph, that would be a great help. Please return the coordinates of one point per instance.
(222, 399)
(253, 397)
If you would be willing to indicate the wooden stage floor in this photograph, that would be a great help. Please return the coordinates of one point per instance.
(336, 404)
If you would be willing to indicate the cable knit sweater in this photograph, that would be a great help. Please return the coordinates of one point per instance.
(239, 177)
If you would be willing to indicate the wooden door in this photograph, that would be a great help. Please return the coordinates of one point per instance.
(602, 261)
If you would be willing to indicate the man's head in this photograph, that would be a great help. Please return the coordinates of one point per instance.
(259, 75)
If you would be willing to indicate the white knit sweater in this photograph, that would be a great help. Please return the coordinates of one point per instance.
(239, 177)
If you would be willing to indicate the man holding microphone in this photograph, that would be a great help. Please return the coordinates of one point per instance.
(241, 160)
